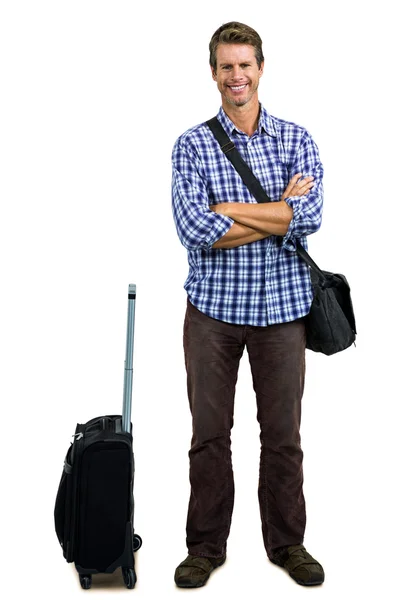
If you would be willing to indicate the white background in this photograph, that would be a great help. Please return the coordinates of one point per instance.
(93, 96)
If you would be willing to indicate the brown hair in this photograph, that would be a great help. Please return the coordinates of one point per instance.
(235, 33)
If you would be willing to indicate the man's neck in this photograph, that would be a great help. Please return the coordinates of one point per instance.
(244, 117)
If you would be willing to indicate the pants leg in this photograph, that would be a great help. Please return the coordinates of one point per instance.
(277, 359)
(212, 353)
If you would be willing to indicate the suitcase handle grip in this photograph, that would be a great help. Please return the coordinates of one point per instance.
(132, 291)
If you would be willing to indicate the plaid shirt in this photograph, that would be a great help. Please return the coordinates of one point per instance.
(263, 282)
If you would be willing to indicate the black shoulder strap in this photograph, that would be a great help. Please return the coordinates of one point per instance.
(251, 181)
(231, 152)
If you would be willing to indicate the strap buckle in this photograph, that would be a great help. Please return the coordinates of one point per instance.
(228, 147)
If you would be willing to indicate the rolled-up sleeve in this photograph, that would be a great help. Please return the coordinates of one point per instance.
(307, 210)
(198, 227)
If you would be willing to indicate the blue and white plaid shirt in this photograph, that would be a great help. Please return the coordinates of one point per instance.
(264, 282)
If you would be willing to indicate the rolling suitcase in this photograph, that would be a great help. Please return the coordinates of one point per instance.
(94, 505)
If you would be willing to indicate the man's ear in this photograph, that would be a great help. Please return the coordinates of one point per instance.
(261, 69)
(213, 73)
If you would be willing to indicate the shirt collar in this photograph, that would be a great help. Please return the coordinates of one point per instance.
(265, 122)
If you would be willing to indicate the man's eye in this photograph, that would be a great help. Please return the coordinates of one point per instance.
(226, 67)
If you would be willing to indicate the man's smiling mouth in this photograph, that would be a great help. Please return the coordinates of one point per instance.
(237, 88)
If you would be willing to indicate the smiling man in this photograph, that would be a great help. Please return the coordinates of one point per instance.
(247, 288)
(238, 74)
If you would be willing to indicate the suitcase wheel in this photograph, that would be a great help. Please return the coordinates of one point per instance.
(85, 581)
(129, 576)
(137, 542)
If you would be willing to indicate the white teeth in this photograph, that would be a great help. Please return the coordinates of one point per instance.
(238, 87)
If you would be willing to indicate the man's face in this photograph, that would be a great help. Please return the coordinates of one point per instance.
(237, 74)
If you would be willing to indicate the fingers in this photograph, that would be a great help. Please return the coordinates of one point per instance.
(291, 185)
(296, 187)
(304, 186)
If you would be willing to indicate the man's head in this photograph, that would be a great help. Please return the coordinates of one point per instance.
(237, 62)
(235, 33)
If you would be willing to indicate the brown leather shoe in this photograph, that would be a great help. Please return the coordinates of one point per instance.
(194, 571)
(300, 565)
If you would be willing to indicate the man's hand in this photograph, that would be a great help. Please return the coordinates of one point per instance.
(296, 187)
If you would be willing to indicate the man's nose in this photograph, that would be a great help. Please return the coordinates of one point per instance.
(237, 72)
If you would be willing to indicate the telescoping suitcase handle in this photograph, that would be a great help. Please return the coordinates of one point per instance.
(127, 401)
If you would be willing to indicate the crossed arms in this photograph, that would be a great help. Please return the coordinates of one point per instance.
(254, 222)
(227, 225)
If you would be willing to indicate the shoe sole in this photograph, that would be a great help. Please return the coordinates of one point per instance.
(299, 581)
(197, 585)
(312, 583)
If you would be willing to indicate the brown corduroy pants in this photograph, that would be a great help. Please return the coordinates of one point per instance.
(277, 358)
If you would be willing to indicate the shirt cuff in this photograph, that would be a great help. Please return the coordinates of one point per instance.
(221, 226)
(289, 242)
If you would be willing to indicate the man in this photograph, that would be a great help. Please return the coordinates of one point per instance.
(247, 288)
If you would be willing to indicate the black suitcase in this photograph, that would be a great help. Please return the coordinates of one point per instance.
(94, 505)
